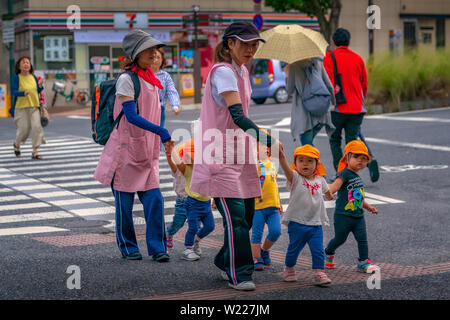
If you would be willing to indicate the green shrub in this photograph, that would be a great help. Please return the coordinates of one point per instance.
(406, 77)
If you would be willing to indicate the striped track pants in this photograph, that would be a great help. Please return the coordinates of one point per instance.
(235, 256)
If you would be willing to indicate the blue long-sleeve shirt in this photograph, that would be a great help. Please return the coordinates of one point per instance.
(129, 109)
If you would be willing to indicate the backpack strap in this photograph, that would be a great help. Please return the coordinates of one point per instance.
(137, 91)
(334, 63)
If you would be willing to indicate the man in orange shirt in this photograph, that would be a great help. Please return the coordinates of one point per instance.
(349, 114)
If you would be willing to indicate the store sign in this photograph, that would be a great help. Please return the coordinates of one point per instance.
(130, 20)
(56, 49)
(99, 60)
(8, 31)
(99, 36)
(161, 36)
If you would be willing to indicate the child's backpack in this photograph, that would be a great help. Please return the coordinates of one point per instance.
(316, 96)
(102, 108)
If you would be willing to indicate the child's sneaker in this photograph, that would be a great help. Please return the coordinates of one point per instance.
(329, 262)
(169, 242)
(366, 266)
(321, 279)
(289, 274)
(243, 286)
(265, 256)
(259, 264)
(197, 249)
(189, 255)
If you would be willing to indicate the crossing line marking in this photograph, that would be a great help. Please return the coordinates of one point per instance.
(29, 230)
(35, 216)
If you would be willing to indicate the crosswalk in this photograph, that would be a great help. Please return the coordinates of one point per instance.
(38, 196)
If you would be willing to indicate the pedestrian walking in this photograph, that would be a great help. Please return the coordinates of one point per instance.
(304, 124)
(197, 206)
(25, 89)
(168, 92)
(130, 160)
(348, 75)
(179, 216)
(233, 183)
(350, 202)
(268, 210)
(306, 211)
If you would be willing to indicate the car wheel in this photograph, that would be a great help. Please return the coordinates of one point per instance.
(281, 95)
(259, 100)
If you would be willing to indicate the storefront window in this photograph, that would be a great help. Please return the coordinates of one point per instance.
(53, 52)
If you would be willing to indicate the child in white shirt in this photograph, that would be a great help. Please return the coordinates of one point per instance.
(306, 212)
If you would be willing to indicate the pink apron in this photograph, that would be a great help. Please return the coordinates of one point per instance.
(131, 154)
(232, 173)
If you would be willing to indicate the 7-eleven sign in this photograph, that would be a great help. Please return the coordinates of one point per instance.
(130, 20)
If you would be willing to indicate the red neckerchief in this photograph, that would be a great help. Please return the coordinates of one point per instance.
(148, 76)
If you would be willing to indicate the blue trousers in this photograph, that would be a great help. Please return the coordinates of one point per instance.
(271, 216)
(198, 211)
(179, 217)
(299, 235)
(154, 218)
(308, 136)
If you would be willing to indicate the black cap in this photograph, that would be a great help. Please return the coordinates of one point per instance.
(242, 30)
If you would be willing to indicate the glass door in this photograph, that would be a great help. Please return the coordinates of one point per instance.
(117, 57)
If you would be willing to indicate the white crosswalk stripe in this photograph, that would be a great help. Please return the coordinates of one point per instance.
(62, 187)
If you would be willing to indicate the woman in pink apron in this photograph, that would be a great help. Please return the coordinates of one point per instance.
(226, 167)
(129, 161)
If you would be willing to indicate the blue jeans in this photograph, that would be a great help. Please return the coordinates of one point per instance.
(179, 217)
(154, 218)
(299, 235)
(198, 211)
(271, 216)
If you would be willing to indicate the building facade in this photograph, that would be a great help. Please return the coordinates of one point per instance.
(81, 39)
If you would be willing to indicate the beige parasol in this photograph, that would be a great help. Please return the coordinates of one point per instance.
(290, 43)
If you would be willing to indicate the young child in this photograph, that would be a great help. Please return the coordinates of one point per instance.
(198, 207)
(267, 211)
(306, 213)
(179, 217)
(348, 214)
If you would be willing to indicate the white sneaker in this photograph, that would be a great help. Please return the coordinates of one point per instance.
(197, 249)
(244, 286)
(190, 255)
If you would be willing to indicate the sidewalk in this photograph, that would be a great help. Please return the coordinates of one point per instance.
(187, 103)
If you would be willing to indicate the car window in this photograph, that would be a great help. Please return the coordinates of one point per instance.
(283, 64)
(260, 66)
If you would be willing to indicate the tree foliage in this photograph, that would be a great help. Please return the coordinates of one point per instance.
(326, 11)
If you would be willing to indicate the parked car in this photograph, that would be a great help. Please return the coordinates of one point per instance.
(268, 80)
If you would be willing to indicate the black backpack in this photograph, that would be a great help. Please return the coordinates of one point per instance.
(102, 107)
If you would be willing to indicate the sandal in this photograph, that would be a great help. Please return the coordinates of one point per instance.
(36, 156)
(16, 150)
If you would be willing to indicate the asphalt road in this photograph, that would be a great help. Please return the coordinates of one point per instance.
(408, 238)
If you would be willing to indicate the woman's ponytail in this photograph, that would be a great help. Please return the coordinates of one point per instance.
(222, 52)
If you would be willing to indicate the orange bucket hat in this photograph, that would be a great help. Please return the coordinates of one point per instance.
(309, 151)
(180, 149)
(356, 147)
(188, 149)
